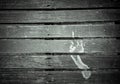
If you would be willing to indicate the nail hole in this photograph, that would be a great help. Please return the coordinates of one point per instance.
(49, 65)
(48, 58)
(49, 74)
(48, 5)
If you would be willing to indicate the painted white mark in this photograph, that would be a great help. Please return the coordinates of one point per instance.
(73, 35)
(77, 60)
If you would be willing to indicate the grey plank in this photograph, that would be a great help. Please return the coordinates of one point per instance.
(59, 16)
(59, 46)
(58, 77)
(59, 31)
(54, 4)
(59, 62)
(75, 78)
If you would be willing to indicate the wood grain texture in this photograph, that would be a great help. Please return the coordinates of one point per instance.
(62, 62)
(59, 16)
(55, 4)
(59, 31)
(27, 57)
(57, 77)
(59, 46)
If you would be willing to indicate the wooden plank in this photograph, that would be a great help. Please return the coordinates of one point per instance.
(59, 46)
(59, 31)
(54, 4)
(59, 16)
(57, 77)
(62, 62)
(76, 78)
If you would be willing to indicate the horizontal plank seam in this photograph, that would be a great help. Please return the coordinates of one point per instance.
(56, 9)
(58, 69)
(54, 54)
(57, 38)
(66, 23)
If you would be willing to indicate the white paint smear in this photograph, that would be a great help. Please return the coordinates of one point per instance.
(79, 47)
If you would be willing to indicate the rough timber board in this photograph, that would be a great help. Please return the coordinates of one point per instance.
(57, 77)
(57, 4)
(59, 46)
(59, 16)
(59, 31)
(59, 61)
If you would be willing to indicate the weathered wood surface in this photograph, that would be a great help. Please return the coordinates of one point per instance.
(59, 46)
(59, 16)
(55, 4)
(28, 57)
(59, 31)
(62, 62)
(23, 76)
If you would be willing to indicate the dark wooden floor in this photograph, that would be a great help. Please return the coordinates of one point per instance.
(36, 35)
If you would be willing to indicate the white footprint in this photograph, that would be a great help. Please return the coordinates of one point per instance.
(77, 60)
